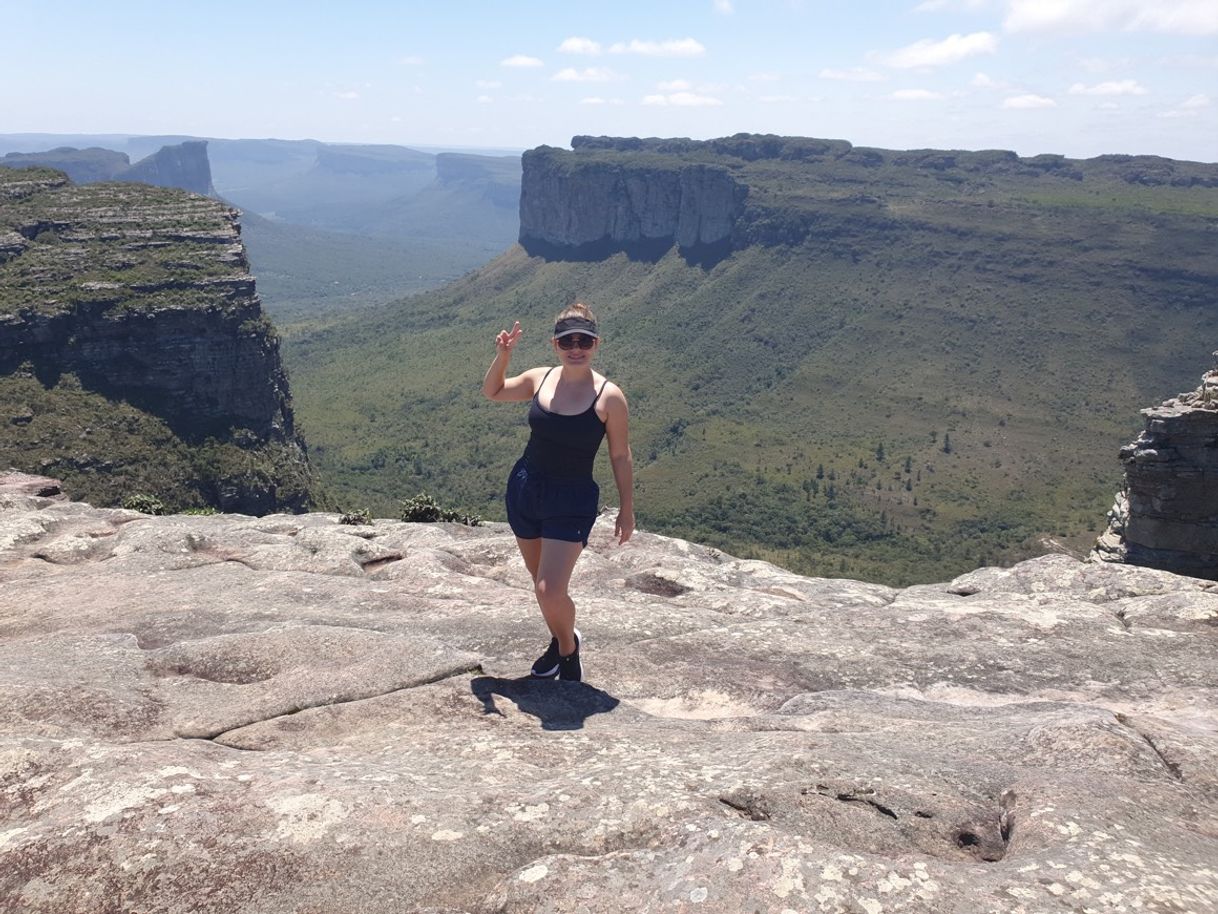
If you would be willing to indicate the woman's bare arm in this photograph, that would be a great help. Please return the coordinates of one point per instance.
(617, 429)
(496, 385)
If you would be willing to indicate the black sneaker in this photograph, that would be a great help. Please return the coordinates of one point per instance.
(569, 668)
(546, 666)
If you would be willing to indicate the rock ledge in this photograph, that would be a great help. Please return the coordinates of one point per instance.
(236, 714)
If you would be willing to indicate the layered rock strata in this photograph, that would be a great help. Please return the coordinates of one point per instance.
(595, 208)
(1166, 516)
(143, 295)
(239, 715)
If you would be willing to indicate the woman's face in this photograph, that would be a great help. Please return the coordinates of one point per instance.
(576, 348)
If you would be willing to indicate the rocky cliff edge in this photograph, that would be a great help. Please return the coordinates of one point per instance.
(232, 714)
(1166, 516)
(131, 338)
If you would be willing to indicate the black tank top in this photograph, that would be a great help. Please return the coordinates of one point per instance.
(563, 446)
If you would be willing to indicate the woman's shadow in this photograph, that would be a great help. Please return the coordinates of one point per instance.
(558, 705)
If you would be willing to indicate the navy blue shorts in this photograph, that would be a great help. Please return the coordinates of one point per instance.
(550, 507)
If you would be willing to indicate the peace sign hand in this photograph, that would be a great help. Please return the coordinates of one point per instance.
(507, 339)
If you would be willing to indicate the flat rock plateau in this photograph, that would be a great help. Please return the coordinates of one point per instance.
(288, 714)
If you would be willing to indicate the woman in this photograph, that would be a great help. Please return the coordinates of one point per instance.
(552, 499)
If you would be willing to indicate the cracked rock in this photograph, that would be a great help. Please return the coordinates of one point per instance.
(269, 715)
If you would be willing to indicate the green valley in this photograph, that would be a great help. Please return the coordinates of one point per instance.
(896, 404)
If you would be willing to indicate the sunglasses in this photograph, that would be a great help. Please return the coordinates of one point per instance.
(571, 340)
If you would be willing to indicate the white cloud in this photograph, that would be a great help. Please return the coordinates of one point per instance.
(676, 85)
(724, 7)
(853, 75)
(578, 45)
(521, 61)
(915, 95)
(587, 75)
(985, 81)
(1026, 102)
(1183, 17)
(677, 47)
(488, 84)
(411, 60)
(484, 99)
(348, 95)
(1123, 87)
(682, 100)
(953, 48)
(1190, 107)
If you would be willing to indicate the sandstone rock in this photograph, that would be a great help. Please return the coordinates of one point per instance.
(282, 714)
(1167, 514)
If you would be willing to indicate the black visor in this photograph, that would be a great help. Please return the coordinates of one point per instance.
(569, 325)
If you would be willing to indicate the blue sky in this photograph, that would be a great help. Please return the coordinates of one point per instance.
(1080, 77)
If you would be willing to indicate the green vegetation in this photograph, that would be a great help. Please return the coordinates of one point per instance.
(423, 509)
(108, 451)
(145, 504)
(306, 274)
(938, 374)
(112, 246)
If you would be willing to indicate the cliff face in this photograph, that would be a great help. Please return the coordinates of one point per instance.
(142, 296)
(586, 208)
(708, 197)
(1167, 514)
(183, 165)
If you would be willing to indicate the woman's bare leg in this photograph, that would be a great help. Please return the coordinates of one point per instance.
(530, 551)
(557, 561)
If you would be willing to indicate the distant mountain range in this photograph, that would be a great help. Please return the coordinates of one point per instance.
(410, 219)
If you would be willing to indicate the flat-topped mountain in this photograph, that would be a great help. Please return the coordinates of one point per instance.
(893, 365)
(183, 165)
(134, 354)
(644, 196)
(237, 715)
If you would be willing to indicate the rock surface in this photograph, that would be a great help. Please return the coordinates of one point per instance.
(1166, 516)
(234, 714)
